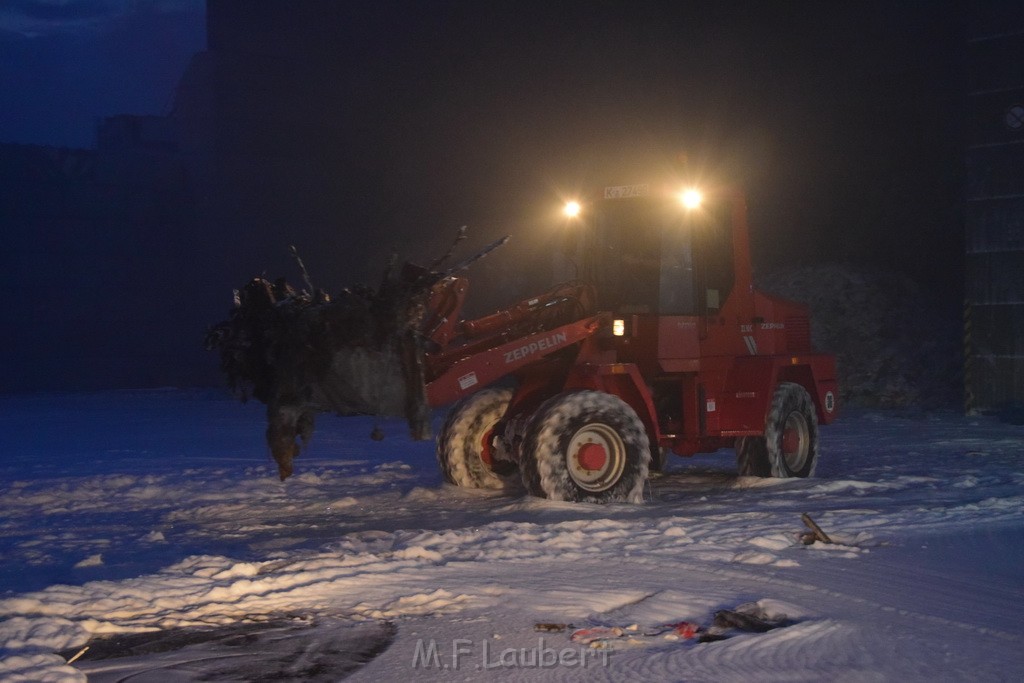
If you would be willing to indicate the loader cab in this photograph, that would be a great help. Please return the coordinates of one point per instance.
(649, 254)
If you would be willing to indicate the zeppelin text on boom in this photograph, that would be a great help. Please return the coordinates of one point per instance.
(549, 342)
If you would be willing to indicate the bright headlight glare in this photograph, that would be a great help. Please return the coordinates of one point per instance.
(691, 198)
(572, 209)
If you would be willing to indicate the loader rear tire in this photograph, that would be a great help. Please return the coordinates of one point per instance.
(586, 446)
(791, 432)
(465, 442)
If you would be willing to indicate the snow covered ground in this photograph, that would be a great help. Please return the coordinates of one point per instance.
(151, 527)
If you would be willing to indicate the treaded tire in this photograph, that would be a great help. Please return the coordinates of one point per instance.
(660, 458)
(460, 445)
(791, 432)
(562, 426)
(752, 457)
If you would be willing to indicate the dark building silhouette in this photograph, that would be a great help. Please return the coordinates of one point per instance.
(122, 255)
(995, 208)
(94, 308)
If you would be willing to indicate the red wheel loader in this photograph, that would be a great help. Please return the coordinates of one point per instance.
(663, 346)
(660, 345)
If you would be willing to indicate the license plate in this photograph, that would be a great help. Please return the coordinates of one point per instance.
(626, 191)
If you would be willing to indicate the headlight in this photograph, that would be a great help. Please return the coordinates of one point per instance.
(691, 198)
(619, 328)
(572, 209)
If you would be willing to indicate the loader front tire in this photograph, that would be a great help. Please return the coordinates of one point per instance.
(791, 432)
(465, 442)
(586, 446)
(752, 457)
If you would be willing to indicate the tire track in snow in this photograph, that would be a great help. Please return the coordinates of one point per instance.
(805, 652)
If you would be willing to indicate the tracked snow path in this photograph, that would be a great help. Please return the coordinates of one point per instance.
(156, 514)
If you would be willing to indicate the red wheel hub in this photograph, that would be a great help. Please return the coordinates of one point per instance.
(592, 456)
(485, 447)
(791, 441)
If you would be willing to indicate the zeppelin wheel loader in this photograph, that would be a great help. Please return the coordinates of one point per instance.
(662, 345)
(659, 344)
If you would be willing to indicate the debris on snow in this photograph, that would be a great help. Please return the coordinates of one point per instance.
(746, 618)
(815, 533)
(549, 627)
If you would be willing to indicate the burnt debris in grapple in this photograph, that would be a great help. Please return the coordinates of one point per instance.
(359, 352)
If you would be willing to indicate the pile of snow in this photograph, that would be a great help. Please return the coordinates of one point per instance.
(893, 349)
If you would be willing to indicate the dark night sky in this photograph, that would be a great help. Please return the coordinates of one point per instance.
(842, 121)
(64, 64)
